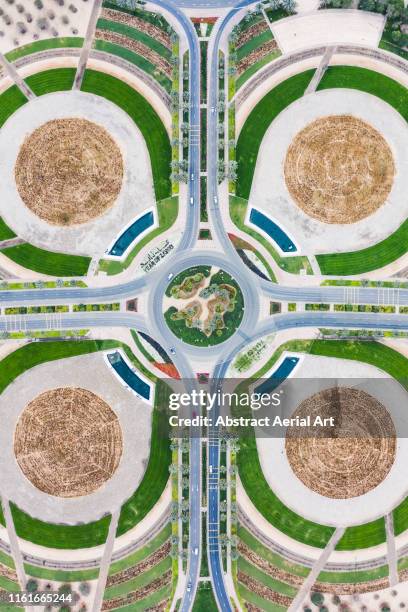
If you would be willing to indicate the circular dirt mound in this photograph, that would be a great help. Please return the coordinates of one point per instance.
(339, 169)
(69, 171)
(68, 442)
(349, 459)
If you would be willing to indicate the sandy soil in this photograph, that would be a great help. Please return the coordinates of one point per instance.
(350, 459)
(68, 442)
(69, 171)
(339, 169)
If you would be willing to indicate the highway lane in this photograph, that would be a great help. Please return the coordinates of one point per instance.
(186, 258)
(85, 320)
(187, 242)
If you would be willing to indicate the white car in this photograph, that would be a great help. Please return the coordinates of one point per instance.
(189, 587)
(191, 201)
(170, 276)
(195, 551)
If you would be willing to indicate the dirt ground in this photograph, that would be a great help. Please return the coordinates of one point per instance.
(353, 457)
(339, 169)
(68, 442)
(69, 171)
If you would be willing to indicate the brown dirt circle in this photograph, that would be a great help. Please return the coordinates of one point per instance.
(69, 171)
(339, 169)
(350, 459)
(68, 442)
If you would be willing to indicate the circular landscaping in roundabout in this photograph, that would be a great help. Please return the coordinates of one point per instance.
(339, 169)
(350, 459)
(69, 171)
(203, 305)
(68, 442)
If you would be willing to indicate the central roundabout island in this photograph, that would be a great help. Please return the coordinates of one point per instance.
(203, 305)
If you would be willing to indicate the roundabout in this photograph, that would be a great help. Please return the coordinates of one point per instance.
(203, 305)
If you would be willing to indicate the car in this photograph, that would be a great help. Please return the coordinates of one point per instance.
(195, 551)
(215, 200)
(170, 276)
(192, 176)
(189, 587)
(172, 351)
(191, 201)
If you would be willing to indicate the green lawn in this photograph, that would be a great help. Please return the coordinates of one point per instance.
(157, 472)
(394, 246)
(145, 117)
(253, 43)
(274, 102)
(401, 517)
(257, 123)
(144, 578)
(253, 68)
(148, 602)
(155, 18)
(363, 536)
(238, 207)
(10, 101)
(270, 556)
(204, 600)
(134, 34)
(390, 45)
(61, 575)
(365, 260)
(134, 58)
(276, 585)
(48, 262)
(5, 231)
(156, 137)
(195, 336)
(259, 602)
(43, 45)
(354, 577)
(141, 553)
(50, 81)
(153, 482)
(167, 211)
(270, 506)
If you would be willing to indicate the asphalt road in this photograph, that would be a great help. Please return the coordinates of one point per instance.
(185, 256)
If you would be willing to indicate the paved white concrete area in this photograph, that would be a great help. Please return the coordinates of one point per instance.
(270, 194)
(88, 372)
(328, 27)
(136, 195)
(276, 468)
(51, 15)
